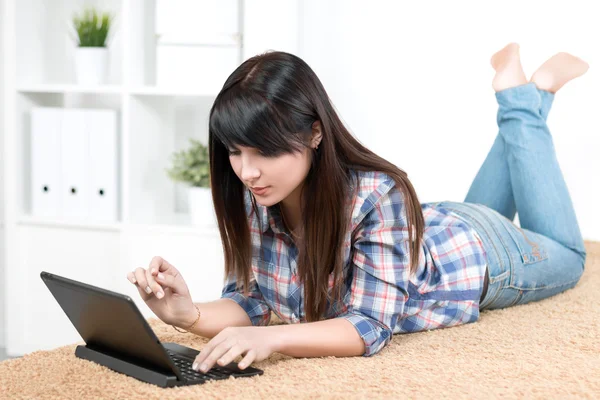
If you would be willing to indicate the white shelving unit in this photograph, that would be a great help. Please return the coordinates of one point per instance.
(153, 121)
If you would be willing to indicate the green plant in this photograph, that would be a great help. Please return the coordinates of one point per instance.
(92, 27)
(191, 165)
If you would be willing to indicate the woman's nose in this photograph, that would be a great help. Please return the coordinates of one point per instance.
(249, 173)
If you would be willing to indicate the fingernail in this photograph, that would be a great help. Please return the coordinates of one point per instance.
(153, 270)
(161, 276)
(132, 280)
(148, 290)
(159, 295)
(203, 367)
(195, 366)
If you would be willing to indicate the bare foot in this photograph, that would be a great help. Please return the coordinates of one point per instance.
(509, 72)
(558, 70)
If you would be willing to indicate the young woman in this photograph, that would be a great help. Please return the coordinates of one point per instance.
(333, 239)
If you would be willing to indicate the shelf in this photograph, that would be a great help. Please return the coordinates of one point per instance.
(62, 223)
(175, 224)
(69, 88)
(165, 91)
(114, 89)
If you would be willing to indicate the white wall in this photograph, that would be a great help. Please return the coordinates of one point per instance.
(2, 322)
(271, 25)
(413, 82)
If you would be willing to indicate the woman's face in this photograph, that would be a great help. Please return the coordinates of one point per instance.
(282, 175)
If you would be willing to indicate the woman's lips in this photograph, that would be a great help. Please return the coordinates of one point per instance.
(260, 192)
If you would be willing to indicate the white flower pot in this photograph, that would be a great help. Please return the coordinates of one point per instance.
(91, 65)
(202, 211)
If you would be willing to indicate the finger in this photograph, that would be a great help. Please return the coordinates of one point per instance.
(131, 277)
(247, 360)
(168, 281)
(208, 348)
(154, 287)
(159, 264)
(229, 356)
(210, 359)
(140, 277)
(145, 296)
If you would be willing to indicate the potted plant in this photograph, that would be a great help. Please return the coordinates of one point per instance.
(191, 166)
(91, 56)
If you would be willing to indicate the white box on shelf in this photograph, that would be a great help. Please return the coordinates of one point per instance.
(195, 67)
(45, 161)
(74, 185)
(102, 130)
(198, 43)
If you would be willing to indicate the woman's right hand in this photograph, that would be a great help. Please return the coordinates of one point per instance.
(163, 289)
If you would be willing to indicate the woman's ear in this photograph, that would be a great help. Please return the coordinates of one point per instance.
(317, 134)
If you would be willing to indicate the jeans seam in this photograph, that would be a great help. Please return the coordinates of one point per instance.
(518, 297)
(492, 299)
(522, 291)
(543, 287)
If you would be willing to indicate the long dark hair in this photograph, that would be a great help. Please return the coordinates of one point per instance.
(270, 103)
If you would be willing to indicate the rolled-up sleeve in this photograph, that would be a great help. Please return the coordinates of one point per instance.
(380, 267)
(255, 305)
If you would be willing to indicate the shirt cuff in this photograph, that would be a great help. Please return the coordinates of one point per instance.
(370, 331)
(258, 312)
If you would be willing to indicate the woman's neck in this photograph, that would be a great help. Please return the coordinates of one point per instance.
(290, 206)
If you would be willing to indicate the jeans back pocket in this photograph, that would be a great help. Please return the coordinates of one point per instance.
(530, 250)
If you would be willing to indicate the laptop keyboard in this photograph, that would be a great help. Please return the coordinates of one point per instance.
(185, 366)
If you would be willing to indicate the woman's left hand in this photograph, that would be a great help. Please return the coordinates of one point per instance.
(256, 342)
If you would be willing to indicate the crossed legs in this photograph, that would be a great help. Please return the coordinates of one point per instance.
(521, 173)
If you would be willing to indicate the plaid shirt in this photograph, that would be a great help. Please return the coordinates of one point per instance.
(379, 298)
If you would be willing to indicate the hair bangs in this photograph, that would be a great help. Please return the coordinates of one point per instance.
(249, 120)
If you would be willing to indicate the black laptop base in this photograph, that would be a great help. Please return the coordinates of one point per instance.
(149, 374)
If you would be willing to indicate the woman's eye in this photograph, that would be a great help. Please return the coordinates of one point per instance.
(233, 152)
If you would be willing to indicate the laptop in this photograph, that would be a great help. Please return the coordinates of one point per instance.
(118, 337)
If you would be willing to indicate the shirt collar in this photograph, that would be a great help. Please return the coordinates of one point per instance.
(270, 217)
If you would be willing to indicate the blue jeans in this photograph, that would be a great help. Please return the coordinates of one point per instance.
(546, 255)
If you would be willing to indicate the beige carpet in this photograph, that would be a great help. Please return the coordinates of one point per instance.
(547, 349)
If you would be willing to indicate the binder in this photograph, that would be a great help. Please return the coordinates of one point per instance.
(74, 183)
(102, 166)
(45, 161)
